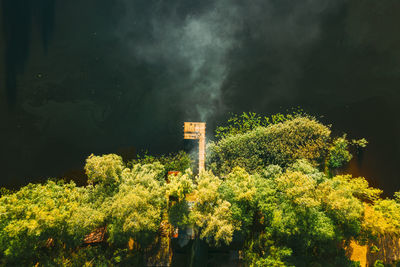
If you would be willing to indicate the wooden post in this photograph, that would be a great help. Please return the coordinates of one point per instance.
(197, 130)
(202, 153)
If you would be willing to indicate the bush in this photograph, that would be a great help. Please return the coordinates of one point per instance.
(239, 124)
(37, 213)
(339, 153)
(179, 161)
(280, 144)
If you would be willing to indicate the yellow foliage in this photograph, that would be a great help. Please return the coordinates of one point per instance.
(180, 185)
(242, 184)
(206, 190)
(106, 168)
(298, 187)
(383, 217)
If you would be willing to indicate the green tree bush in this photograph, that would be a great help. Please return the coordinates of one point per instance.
(135, 211)
(180, 161)
(179, 187)
(211, 214)
(53, 218)
(38, 213)
(280, 144)
(267, 191)
(247, 121)
(339, 152)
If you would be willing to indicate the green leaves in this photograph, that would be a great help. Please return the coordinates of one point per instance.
(179, 161)
(180, 185)
(338, 153)
(247, 121)
(280, 144)
(32, 215)
(239, 124)
(215, 222)
(136, 209)
(211, 214)
(238, 188)
(104, 169)
(265, 186)
(130, 202)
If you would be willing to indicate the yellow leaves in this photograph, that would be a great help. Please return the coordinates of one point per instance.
(358, 187)
(374, 221)
(221, 221)
(383, 217)
(242, 184)
(217, 223)
(213, 214)
(36, 210)
(298, 187)
(281, 144)
(337, 195)
(144, 218)
(300, 138)
(138, 204)
(84, 218)
(346, 196)
(49, 202)
(207, 188)
(106, 168)
(31, 226)
(179, 185)
(154, 170)
(129, 200)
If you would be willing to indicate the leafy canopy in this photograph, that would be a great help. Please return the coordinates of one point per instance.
(267, 188)
(280, 144)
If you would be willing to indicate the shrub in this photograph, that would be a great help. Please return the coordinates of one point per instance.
(280, 144)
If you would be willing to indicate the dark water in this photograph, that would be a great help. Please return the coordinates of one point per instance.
(81, 77)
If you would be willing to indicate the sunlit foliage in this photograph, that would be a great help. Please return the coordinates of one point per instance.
(280, 144)
(247, 121)
(383, 217)
(178, 188)
(128, 201)
(339, 153)
(32, 215)
(180, 161)
(180, 185)
(211, 214)
(307, 214)
(267, 190)
(136, 209)
(106, 169)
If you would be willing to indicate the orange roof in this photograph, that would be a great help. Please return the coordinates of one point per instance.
(97, 236)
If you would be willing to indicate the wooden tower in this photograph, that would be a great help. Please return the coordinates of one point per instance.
(197, 131)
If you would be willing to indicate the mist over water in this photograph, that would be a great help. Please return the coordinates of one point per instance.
(121, 74)
(192, 48)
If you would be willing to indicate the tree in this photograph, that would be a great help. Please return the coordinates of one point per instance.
(304, 216)
(211, 214)
(53, 218)
(135, 211)
(269, 191)
(38, 213)
(179, 161)
(177, 190)
(247, 121)
(280, 144)
(339, 151)
(104, 169)
(238, 188)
